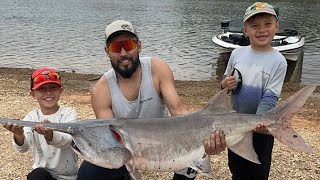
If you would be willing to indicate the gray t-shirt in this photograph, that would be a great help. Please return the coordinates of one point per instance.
(147, 105)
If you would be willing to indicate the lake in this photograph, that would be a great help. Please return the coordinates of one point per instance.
(69, 34)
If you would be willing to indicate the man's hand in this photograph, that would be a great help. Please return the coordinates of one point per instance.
(216, 144)
(47, 133)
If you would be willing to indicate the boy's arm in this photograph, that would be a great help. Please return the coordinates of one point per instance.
(24, 142)
(17, 131)
(270, 97)
(22, 136)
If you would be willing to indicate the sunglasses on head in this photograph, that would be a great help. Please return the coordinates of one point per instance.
(44, 77)
(127, 45)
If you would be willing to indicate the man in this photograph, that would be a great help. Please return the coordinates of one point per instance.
(136, 87)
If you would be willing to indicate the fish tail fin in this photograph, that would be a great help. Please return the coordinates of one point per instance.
(283, 114)
(291, 138)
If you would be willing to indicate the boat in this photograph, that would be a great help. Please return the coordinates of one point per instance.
(287, 39)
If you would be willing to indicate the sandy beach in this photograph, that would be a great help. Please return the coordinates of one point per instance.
(15, 102)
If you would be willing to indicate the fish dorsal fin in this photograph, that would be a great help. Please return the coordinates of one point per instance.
(218, 103)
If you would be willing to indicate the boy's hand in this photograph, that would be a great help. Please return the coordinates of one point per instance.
(217, 143)
(15, 129)
(47, 133)
(229, 82)
(261, 128)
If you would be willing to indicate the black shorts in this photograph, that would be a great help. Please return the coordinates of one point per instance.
(39, 174)
(244, 169)
(91, 171)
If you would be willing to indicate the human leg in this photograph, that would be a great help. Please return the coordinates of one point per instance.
(238, 166)
(241, 168)
(39, 174)
(91, 171)
(263, 145)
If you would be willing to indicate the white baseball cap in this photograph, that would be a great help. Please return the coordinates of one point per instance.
(259, 7)
(119, 26)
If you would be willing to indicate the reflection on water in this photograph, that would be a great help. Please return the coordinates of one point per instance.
(293, 74)
(221, 65)
(294, 70)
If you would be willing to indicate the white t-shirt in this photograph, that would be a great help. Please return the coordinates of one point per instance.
(262, 73)
(56, 156)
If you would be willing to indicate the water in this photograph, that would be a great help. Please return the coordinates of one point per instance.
(69, 34)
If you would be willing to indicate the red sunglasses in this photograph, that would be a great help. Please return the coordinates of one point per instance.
(127, 45)
(44, 77)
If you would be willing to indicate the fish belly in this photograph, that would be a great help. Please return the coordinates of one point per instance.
(169, 162)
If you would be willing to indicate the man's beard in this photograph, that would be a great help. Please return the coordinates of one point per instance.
(127, 72)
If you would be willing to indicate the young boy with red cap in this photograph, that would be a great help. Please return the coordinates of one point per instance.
(52, 154)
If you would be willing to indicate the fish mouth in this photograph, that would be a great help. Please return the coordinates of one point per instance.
(110, 163)
(116, 135)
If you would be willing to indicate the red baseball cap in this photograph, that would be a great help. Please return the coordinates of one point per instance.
(43, 76)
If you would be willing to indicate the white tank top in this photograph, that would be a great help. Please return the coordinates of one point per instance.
(147, 105)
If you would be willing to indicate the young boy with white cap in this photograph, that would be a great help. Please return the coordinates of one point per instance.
(263, 70)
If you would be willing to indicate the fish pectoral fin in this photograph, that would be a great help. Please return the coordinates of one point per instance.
(288, 136)
(233, 140)
(244, 147)
(203, 166)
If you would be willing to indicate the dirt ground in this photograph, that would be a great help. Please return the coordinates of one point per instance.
(15, 102)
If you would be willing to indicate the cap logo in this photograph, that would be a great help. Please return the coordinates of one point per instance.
(259, 6)
(126, 27)
(45, 72)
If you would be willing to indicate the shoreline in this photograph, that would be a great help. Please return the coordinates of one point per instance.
(195, 91)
